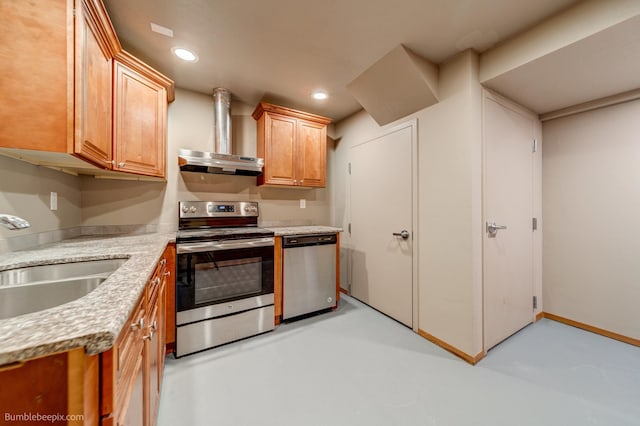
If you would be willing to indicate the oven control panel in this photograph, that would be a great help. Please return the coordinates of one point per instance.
(204, 209)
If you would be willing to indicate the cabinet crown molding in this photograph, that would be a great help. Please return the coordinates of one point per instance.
(267, 107)
(136, 64)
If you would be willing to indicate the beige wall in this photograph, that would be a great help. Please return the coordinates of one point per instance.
(591, 206)
(25, 190)
(449, 191)
(190, 125)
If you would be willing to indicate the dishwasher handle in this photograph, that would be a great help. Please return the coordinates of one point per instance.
(292, 241)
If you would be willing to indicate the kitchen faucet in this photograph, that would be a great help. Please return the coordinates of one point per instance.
(13, 222)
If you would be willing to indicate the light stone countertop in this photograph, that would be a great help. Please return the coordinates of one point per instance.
(282, 231)
(93, 321)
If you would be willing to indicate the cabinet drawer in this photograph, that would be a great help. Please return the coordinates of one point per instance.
(154, 283)
(129, 350)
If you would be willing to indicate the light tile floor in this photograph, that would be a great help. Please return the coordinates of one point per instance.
(355, 366)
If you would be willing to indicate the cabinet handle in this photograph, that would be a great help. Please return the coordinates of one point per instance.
(163, 262)
(152, 330)
(121, 164)
(168, 273)
(139, 324)
(155, 281)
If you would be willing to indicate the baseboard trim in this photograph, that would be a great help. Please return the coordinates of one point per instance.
(342, 290)
(473, 360)
(539, 316)
(596, 330)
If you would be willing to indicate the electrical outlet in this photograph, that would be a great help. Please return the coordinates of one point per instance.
(53, 201)
(303, 203)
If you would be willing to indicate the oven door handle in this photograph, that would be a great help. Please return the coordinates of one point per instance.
(223, 245)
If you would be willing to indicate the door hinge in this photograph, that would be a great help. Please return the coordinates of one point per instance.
(534, 223)
(535, 302)
(349, 228)
(349, 168)
(534, 147)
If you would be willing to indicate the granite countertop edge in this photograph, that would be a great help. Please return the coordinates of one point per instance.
(93, 321)
(281, 231)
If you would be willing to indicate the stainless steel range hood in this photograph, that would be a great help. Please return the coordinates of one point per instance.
(221, 160)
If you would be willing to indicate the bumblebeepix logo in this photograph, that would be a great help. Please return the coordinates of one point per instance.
(41, 418)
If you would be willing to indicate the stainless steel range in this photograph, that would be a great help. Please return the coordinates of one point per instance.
(224, 280)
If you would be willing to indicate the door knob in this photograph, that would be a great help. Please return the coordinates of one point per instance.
(492, 228)
(404, 234)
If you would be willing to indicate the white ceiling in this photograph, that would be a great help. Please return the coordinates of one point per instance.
(282, 50)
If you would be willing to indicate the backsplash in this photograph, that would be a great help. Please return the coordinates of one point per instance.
(29, 241)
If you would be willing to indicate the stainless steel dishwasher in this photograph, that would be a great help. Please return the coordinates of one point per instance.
(309, 274)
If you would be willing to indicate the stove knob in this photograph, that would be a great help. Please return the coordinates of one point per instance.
(185, 209)
(193, 209)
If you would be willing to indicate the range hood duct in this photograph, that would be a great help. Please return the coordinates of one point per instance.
(220, 161)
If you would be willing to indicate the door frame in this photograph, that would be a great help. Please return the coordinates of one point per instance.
(488, 94)
(413, 124)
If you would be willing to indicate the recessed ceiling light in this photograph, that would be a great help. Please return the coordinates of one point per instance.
(184, 54)
(319, 95)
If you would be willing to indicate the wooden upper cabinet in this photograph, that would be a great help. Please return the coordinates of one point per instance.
(72, 98)
(36, 75)
(140, 117)
(293, 145)
(96, 44)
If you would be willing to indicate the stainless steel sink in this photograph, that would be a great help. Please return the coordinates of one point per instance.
(35, 288)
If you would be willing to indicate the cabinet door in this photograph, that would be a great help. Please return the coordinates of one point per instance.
(156, 350)
(139, 123)
(36, 69)
(155, 341)
(170, 297)
(93, 90)
(280, 165)
(311, 154)
(162, 326)
(132, 413)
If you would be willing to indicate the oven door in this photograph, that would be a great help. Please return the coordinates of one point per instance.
(214, 272)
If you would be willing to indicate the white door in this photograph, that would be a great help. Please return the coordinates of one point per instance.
(381, 205)
(508, 202)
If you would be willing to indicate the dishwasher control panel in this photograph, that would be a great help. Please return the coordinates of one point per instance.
(308, 240)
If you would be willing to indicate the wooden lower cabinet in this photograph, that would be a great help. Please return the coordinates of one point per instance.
(115, 388)
(132, 370)
(57, 389)
(170, 298)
